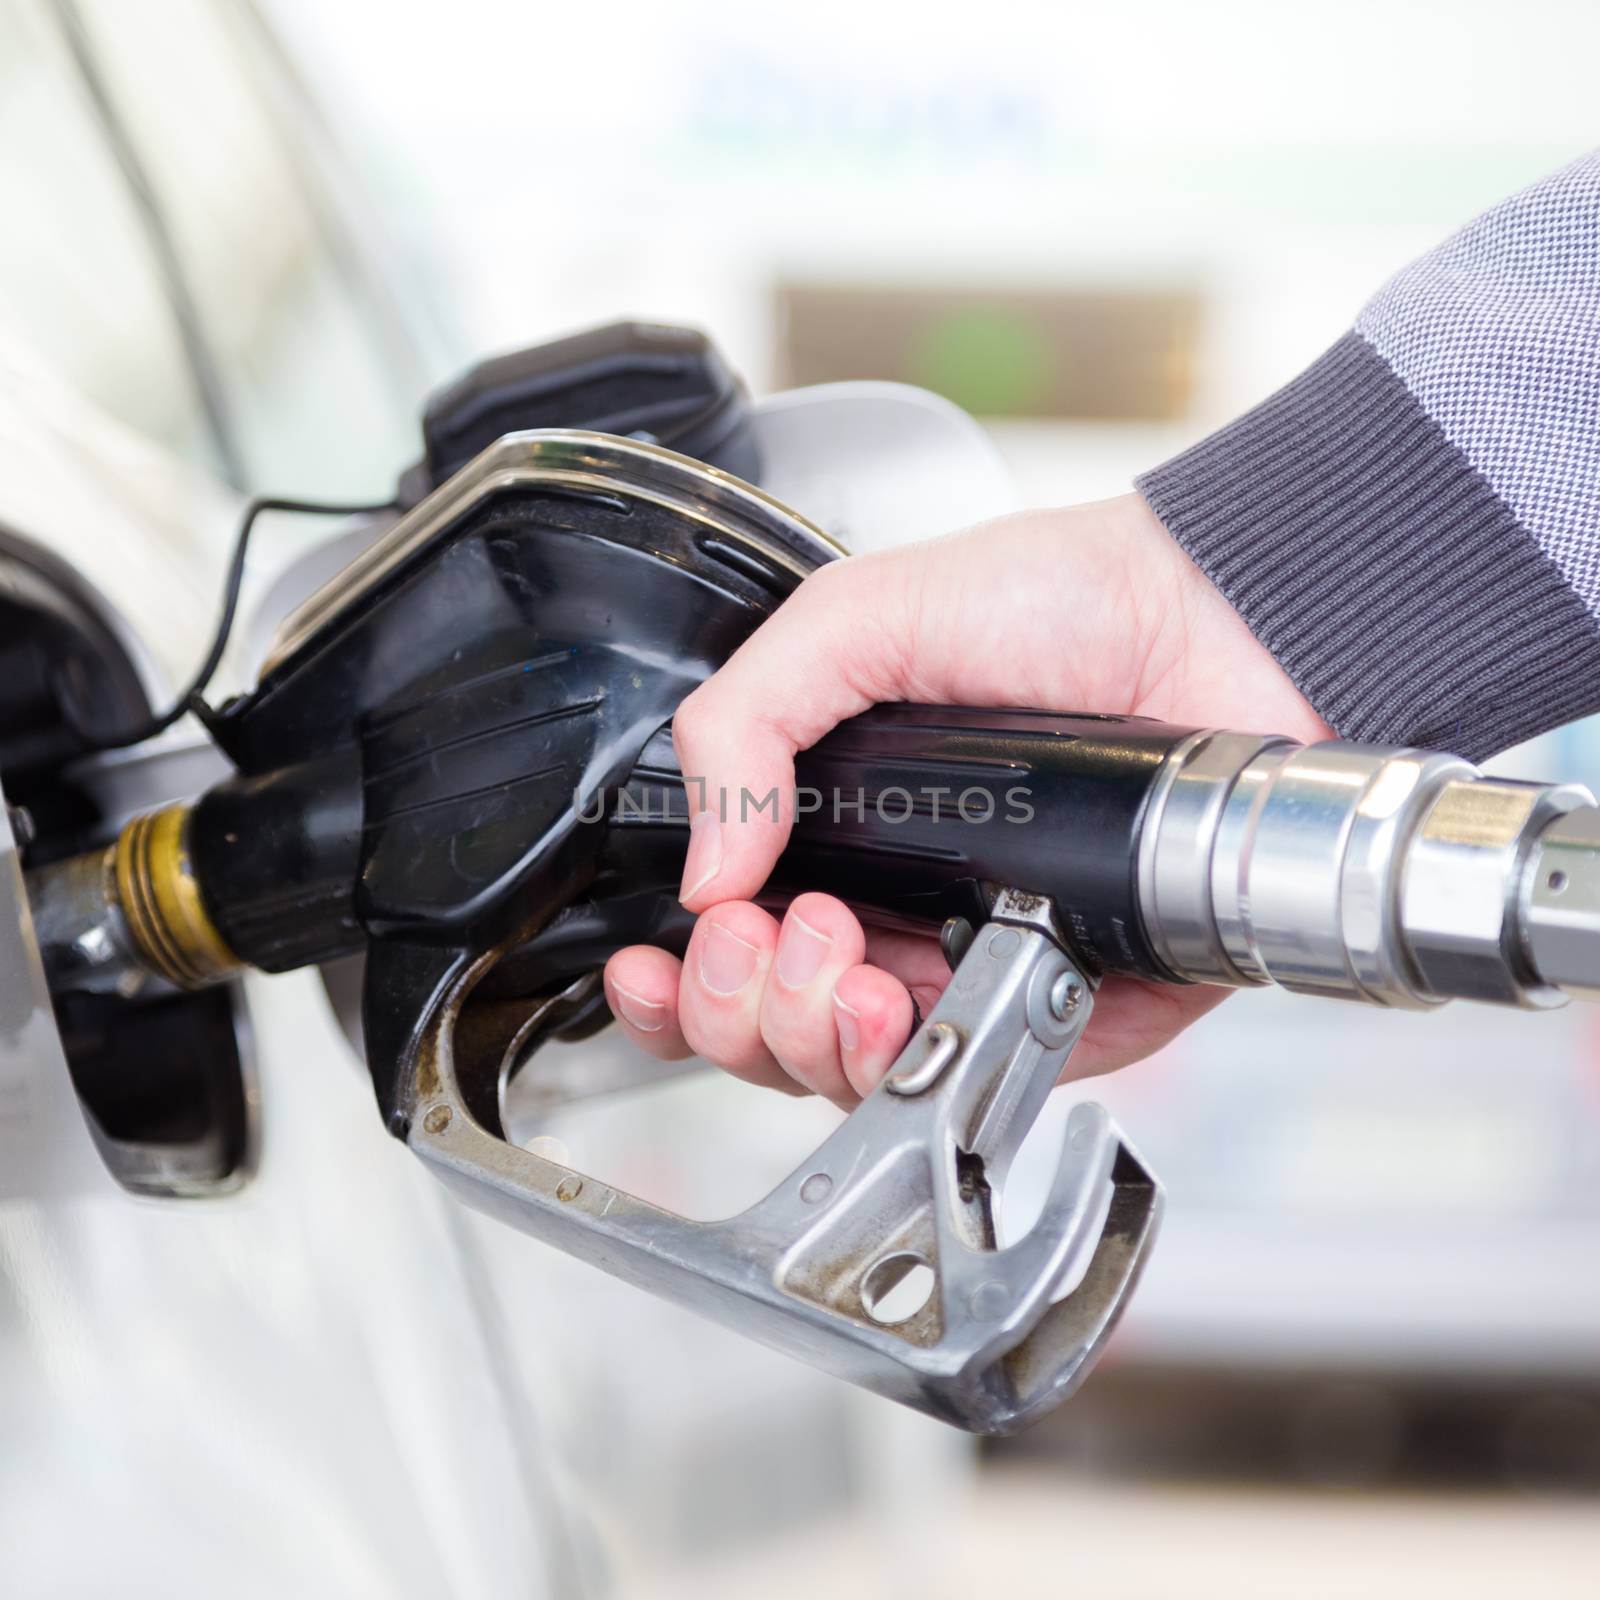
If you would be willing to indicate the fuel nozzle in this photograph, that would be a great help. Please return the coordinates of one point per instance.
(457, 762)
(1399, 877)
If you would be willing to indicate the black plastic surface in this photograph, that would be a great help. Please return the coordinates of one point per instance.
(638, 379)
(162, 1081)
(65, 680)
(279, 854)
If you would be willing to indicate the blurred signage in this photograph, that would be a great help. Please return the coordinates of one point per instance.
(1112, 353)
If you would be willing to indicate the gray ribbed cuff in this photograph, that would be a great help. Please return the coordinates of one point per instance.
(1379, 567)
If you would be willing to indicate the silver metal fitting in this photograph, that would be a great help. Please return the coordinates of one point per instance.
(1560, 903)
(1460, 911)
(84, 939)
(1399, 877)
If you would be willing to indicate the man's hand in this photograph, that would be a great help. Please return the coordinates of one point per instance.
(1088, 609)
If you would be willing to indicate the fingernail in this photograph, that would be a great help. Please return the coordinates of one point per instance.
(727, 962)
(648, 1016)
(849, 1021)
(704, 859)
(801, 951)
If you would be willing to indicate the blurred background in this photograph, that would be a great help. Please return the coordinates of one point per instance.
(1366, 1356)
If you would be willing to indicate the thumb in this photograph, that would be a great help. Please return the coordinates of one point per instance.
(834, 648)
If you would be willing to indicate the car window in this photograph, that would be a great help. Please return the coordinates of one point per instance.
(174, 252)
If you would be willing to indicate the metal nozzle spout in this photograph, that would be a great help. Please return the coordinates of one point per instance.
(1561, 903)
(115, 919)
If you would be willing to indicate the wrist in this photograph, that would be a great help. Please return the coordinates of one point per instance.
(1203, 653)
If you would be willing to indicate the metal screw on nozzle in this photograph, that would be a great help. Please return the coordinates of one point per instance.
(1065, 994)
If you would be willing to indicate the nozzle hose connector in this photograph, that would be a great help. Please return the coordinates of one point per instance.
(1399, 877)
(159, 897)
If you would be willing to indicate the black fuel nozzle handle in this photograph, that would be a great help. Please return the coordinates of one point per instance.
(910, 814)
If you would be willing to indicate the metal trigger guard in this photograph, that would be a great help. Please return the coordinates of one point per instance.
(904, 1189)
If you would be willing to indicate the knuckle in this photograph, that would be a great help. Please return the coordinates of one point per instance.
(690, 719)
(839, 586)
(829, 575)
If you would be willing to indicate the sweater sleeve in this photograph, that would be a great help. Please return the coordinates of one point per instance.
(1412, 526)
